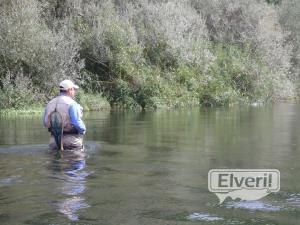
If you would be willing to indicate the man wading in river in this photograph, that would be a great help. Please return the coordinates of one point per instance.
(62, 117)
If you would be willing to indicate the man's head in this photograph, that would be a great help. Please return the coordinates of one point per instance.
(68, 87)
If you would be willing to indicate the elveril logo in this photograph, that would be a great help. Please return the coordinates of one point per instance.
(244, 184)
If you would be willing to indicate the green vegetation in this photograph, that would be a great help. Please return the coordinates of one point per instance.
(275, 2)
(92, 102)
(28, 111)
(148, 54)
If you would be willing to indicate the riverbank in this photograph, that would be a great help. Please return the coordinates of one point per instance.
(36, 110)
(92, 103)
(97, 102)
(89, 102)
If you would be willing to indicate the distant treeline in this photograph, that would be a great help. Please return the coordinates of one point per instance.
(150, 53)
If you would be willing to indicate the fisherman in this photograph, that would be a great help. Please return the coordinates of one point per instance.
(62, 117)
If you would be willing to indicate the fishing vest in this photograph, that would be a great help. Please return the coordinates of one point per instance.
(62, 105)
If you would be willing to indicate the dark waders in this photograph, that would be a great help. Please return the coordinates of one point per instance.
(56, 129)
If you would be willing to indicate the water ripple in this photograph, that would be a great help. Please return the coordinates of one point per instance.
(10, 180)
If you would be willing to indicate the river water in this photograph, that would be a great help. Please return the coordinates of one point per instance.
(150, 168)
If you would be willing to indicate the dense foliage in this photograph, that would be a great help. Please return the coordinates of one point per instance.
(149, 54)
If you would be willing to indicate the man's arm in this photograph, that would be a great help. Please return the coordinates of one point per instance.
(74, 113)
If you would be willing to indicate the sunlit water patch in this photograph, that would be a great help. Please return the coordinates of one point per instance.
(203, 217)
(289, 201)
(253, 206)
(294, 199)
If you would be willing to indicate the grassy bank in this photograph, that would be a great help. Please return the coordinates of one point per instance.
(89, 102)
(34, 111)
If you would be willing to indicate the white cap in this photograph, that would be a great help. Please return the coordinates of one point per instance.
(67, 84)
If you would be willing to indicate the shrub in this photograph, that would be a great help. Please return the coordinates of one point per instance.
(92, 102)
(17, 92)
(28, 45)
(254, 25)
(289, 20)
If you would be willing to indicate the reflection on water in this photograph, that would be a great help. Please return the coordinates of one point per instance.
(68, 167)
(70, 206)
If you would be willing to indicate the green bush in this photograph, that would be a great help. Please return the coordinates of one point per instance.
(17, 92)
(241, 72)
(92, 102)
(29, 46)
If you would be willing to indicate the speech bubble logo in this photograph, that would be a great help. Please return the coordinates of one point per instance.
(244, 184)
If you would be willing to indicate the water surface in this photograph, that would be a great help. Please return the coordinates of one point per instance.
(150, 168)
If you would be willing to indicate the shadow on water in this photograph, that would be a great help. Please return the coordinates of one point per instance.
(69, 168)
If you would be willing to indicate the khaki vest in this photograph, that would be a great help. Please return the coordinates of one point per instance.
(62, 105)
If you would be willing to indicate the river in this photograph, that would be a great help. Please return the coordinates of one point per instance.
(143, 168)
